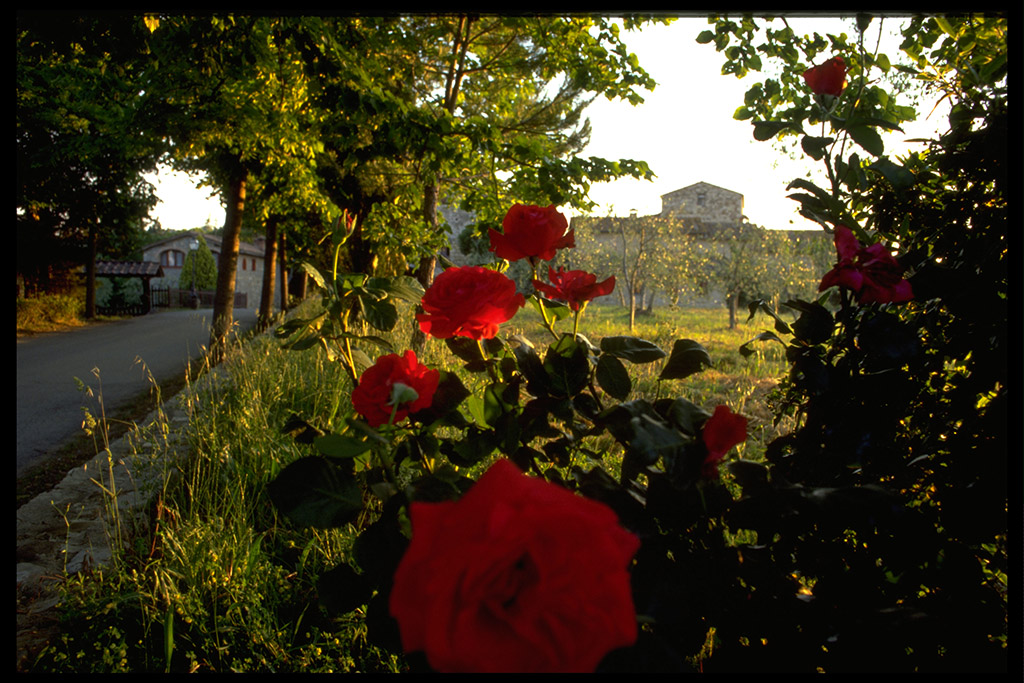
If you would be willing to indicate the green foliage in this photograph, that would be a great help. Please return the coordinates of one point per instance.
(200, 261)
(902, 431)
(79, 156)
(43, 313)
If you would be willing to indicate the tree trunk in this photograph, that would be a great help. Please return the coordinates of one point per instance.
(284, 272)
(90, 272)
(425, 271)
(269, 274)
(224, 300)
(632, 309)
(733, 301)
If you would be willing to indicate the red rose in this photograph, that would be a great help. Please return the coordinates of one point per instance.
(468, 302)
(519, 575)
(574, 286)
(532, 232)
(376, 394)
(722, 431)
(828, 78)
(871, 272)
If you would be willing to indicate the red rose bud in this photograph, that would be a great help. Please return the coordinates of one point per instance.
(722, 431)
(574, 286)
(394, 381)
(519, 575)
(871, 273)
(468, 302)
(532, 232)
(828, 78)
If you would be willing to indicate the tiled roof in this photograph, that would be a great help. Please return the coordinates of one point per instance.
(129, 268)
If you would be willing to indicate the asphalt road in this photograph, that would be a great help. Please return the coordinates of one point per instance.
(50, 405)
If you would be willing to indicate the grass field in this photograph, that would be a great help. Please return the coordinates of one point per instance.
(218, 582)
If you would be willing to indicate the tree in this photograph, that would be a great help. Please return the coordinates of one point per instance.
(647, 254)
(757, 263)
(461, 109)
(80, 155)
(201, 261)
(224, 94)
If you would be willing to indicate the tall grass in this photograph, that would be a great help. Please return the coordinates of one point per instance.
(222, 583)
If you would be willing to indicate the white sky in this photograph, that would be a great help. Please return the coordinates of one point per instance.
(684, 130)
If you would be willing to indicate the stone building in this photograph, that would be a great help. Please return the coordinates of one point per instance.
(710, 204)
(170, 254)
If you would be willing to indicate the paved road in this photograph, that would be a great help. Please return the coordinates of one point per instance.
(49, 404)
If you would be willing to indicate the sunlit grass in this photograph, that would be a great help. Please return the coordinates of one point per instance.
(222, 583)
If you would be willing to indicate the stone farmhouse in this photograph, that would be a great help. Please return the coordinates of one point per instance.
(708, 212)
(170, 254)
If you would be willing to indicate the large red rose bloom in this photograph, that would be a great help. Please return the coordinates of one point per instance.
(468, 302)
(519, 575)
(373, 396)
(575, 287)
(828, 78)
(870, 272)
(532, 232)
(722, 431)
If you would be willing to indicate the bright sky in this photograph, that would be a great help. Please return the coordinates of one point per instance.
(684, 130)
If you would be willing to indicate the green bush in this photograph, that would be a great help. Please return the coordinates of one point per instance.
(46, 311)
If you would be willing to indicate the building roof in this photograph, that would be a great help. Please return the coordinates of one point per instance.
(128, 269)
(689, 187)
(212, 241)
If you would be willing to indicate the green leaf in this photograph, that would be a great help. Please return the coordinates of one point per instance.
(633, 349)
(766, 130)
(612, 377)
(868, 138)
(554, 309)
(745, 349)
(315, 274)
(898, 176)
(568, 369)
(688, 357)
(814, 147)
(340, 446)
(705, 37)
(379, 314)
(315, 492)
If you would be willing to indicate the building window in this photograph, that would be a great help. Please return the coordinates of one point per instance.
(172, 257)
(254, 265)
(701, 198)
(243, 264)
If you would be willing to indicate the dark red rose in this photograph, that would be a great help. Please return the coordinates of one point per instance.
(376, 394)
(532, 232)
(723, 430)
(574, 286)
(468, 302)
(871, 272)
(828, 78)
(519, 575)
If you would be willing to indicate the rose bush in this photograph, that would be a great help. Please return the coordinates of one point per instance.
(870, 272)
(469, 302)
(519, 575)
(828, 78)
(575, 287)
(532, 232)
(382, 388)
